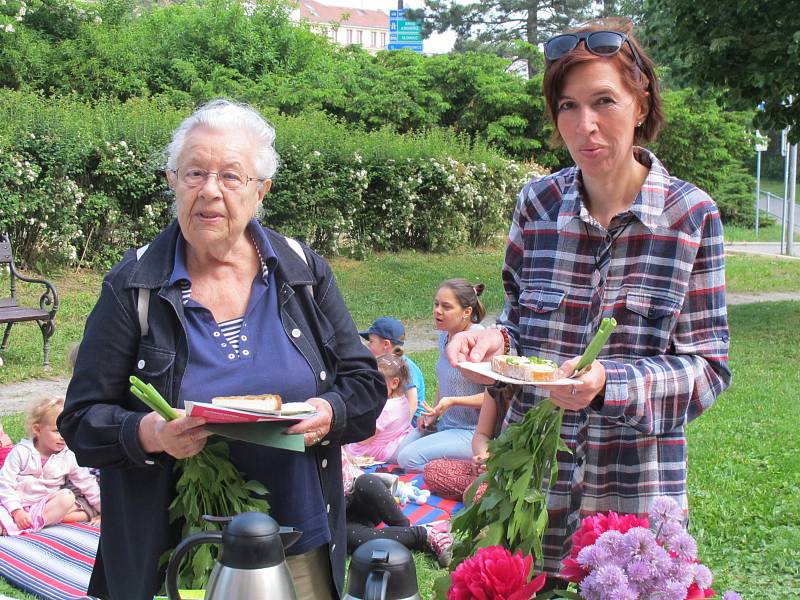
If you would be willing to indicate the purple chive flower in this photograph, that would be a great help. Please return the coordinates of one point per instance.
(638, 570)
(674, 590)
(611, 577)
(669, 530)
(684, 546)
(638, 542)
(731, 595)
(703, 578)
(611, 543)
(664, 509)
(592, 557)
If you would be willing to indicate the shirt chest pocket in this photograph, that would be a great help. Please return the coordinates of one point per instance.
(155, 366)
(541, 314)
(650, 321)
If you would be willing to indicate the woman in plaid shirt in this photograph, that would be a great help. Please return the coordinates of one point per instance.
(614, 235)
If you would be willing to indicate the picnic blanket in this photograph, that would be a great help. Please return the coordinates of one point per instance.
(435, 509)
(54, 563)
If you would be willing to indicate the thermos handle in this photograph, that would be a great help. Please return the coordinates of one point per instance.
(375, 589)
(205, 537)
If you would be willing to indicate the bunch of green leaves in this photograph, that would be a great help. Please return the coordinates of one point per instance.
(209, 485)
(512, 512)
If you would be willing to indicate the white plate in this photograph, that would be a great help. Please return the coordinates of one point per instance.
(485, 368)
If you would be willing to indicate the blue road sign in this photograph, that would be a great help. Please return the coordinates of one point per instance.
(415, 46)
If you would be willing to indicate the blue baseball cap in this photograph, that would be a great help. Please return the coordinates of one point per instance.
(388, 328)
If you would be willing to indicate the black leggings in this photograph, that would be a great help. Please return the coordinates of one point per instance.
(370, 503)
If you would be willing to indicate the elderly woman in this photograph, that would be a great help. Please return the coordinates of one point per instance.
(614, 235)
(233, 309)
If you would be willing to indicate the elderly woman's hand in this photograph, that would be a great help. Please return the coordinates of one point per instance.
(315, 428)
(180, 438)
(579, 395)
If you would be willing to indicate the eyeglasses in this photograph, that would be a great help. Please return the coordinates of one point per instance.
(601, 43)
(229, 179)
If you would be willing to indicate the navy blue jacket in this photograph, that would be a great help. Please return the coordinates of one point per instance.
(101, 417)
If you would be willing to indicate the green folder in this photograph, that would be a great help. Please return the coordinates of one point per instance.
(264, 433)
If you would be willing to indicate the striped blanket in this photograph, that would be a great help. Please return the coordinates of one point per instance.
(54, 563)
(434, 509)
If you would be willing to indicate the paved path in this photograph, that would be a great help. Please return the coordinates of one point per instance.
(420, 335)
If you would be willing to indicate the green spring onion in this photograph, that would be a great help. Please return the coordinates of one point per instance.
(599, 340)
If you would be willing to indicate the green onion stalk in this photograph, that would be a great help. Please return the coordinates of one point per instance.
(521, 469)
(208, 484)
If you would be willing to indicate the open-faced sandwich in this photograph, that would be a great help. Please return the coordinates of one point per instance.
(264, 403)
(525, 368)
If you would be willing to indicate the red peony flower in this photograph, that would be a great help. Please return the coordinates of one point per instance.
(695, 592)
(592, 528)
(494, 574)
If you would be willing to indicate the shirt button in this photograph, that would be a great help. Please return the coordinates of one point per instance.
(651, 311)
(140, 364)
(223, 345)
(328, 508)
(231, 356)
(246, 352)
(324, 442)
(216, 334)
(295, 333)
(323, 375)
(244, 338)
(324, 462)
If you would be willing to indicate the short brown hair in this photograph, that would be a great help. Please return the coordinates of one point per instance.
(643, 84)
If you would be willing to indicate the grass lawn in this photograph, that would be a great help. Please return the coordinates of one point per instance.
(744, 477)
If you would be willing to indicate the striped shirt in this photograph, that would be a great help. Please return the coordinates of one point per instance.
(232, 328)
(658, 270)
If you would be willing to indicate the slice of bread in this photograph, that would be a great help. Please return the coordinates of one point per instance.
(263, 403)
(525, 368)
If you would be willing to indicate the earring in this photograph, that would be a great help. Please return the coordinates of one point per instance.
(639, 124)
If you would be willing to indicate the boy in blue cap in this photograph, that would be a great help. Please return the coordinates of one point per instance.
(387, 335)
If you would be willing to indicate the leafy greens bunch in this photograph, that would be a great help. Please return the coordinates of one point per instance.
(208, 484)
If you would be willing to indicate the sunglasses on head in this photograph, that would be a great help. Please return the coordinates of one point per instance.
(601, 43)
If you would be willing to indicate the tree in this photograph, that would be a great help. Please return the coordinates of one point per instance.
(750, 48)
(513, 27)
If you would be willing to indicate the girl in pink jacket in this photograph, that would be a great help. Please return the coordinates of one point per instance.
(35, 473)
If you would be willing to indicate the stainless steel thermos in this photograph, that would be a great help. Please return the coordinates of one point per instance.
(251, 563)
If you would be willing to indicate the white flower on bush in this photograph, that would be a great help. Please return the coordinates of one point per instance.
(9, 28)
(316, 153)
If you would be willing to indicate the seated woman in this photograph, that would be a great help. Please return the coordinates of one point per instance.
(235, 308)
(456, 308)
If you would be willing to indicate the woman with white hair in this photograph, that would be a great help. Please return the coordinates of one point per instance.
(231, 308)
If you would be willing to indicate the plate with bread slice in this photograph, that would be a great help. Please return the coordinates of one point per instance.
(520, 370)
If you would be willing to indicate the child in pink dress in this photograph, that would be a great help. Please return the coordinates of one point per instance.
(33, 476)
(394, 422)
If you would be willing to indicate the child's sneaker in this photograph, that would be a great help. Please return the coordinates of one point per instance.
(440, 543)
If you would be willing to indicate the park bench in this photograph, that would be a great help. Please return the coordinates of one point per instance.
(11, 312)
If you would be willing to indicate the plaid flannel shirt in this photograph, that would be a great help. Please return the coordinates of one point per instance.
(663, 281)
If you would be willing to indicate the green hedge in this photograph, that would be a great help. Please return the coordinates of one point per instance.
(80, 183)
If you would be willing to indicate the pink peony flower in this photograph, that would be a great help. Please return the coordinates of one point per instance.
(494, 574)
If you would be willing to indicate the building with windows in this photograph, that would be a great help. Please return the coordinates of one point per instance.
(343, 25)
